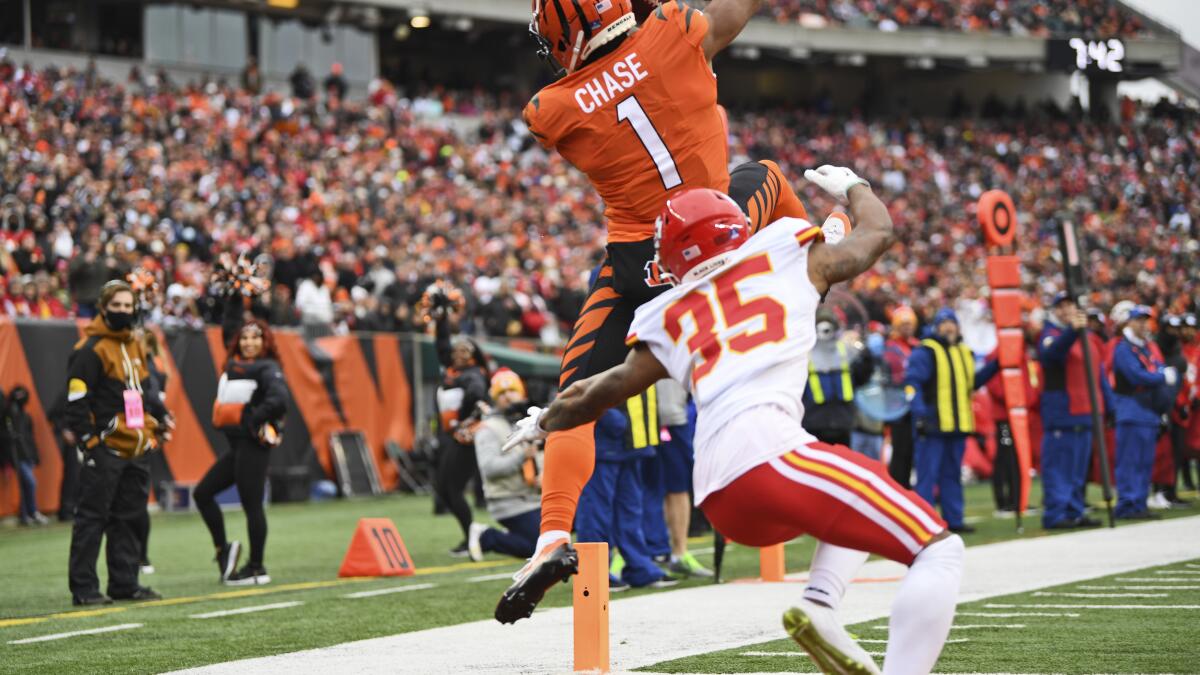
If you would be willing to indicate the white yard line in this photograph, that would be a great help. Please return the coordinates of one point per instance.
(1139, 588)
(1010, 615)
(389, 591)
(490, 577)
(247, 610)
(1157, 580)
(75, 633)
(735, 616)
(1045, 606)
(1049, 594)
(1177, 571)
(884, 642)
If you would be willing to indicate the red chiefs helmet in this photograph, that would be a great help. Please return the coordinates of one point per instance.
(569, 31)
(695, 227)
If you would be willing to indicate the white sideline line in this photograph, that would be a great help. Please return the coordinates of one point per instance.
(973, 626)
(1192, 565)
(993, 605)
(805, 654)
(90, 631)
(1140, 588)
(1009, 615)
(884, 642)
(1178, 571)
(490, 577)
(1153, 580)
(386, 591)
(247, 610)
(1047, 594)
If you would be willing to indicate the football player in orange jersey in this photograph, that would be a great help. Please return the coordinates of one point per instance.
(636, 110)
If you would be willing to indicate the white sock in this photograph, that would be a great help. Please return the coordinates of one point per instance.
(550, 537)
(831, 571)
(924, 609)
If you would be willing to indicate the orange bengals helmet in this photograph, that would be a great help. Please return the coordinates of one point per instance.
(569, 31)
(694, 230)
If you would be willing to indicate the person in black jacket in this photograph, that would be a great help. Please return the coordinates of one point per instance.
(68, 493)
(114, 414)
(23, 454)
(251, 403)
(464, 386)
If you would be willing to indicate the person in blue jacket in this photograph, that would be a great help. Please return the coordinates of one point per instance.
(1143, 390)
(1067, 414)
(610, 507)
(941, 376)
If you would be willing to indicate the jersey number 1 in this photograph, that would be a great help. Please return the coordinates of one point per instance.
(631, 111)
(735, 310)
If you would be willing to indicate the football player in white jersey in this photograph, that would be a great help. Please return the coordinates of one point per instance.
(737, 330)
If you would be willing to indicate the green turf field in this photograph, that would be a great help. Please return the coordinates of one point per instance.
(304, 550)
(1149, 628)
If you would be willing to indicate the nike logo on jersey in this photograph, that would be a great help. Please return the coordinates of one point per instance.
(609, 84)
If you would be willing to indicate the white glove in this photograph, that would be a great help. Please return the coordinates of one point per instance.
(836, 180)
(1170, 375)
(527, 430)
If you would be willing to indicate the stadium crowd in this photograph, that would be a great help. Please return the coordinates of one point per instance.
(1019, 17)
(363, 203)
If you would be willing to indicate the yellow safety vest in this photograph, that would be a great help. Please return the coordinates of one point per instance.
(643, 418)
(814, 382)
(955, 383)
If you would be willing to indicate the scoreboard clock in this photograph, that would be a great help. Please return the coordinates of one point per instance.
(1086, 55)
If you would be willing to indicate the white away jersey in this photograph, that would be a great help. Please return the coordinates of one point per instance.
(739, 338)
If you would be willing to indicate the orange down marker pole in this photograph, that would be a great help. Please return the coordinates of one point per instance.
(770, 563)
(591, 608)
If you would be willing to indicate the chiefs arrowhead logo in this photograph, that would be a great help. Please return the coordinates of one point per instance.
(654, 276)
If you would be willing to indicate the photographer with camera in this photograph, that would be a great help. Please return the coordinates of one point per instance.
(511, 480)
(464, 386)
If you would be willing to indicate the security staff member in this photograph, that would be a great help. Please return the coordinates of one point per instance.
(114, 412)
(611, 505)
(1144, 389)
(942, 374)
(835, 370)
(1066, 414)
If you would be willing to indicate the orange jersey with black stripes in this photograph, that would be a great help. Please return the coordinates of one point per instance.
(641, 121)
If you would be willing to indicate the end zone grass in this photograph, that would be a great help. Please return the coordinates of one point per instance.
(1052, 630)
(304, 549)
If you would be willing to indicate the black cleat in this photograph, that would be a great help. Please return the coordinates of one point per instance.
(548, 567)
(139, 594)
(91, 599)
(227, 559)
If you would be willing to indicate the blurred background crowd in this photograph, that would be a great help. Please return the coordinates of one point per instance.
(363, 202)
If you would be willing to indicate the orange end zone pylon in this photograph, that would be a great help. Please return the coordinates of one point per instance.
(771, 563)
(376, 550)
(590, 590)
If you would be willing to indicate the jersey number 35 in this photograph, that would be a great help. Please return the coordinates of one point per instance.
(734, 310)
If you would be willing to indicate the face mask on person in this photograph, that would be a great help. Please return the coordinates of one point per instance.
(118, 320)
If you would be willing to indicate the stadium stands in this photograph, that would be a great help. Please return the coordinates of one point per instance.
(383, 195)
(1042, 18)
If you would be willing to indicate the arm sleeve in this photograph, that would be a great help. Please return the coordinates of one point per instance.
(474, 390)
(862, 367)
(1054, 348)
(231, 318)
(83, 374)
(275, 398)
(493, 463)
(536, 123)
(1125, 363)
(441, 340)
(987, 372)
(689, 21)
(917, 371)
(153, 396)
